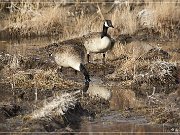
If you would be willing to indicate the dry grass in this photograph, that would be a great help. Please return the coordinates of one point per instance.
(29, 22)
(38, 79)
(38, 18)
(146, 65)
(31, 19)
(165, 17)
(57, 106)
(82, 26)
(124, 21)
(133, 52)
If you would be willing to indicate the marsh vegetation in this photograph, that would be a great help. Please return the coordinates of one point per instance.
(138, 87)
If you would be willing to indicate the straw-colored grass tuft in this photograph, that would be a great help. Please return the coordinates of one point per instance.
(39, 79)
(57, 106)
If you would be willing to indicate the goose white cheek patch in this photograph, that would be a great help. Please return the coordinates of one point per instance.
(106, 24)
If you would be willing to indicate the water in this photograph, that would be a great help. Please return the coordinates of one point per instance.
(111, 121)
(23, 47)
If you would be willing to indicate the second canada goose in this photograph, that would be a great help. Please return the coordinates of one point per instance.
(69, 55)
(99, 42)
(96, 42)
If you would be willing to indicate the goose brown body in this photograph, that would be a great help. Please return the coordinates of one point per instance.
(92, 42)
(96, 42)
(69, 55)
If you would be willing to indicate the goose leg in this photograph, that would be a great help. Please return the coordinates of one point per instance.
(104, 64)
(85, 72)
(88, 57)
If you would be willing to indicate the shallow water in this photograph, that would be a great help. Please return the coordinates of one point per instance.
(112, 121)
(24, 46)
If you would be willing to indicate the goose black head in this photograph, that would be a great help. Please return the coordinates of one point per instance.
(108, 23)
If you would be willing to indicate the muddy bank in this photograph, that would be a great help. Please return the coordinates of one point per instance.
(21, 113)
(137, 90)
(27, 92)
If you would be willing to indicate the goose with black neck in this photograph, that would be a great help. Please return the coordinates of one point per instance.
(99, 42)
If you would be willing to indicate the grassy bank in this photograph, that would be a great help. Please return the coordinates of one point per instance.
(27, 19)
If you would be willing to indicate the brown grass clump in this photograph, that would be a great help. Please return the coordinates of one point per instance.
(164, 109)
(166, 17)
(81, 26)
(145, 65)
(39, 79)
(29, 21)
(58, 105)
(133, 52)
(161, 18)
(159, 75)
(38, 18)
(124, 21)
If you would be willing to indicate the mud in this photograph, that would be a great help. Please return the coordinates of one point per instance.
(137, 89)
(137, 104)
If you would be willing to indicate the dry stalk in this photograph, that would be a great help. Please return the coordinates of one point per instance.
(99, 11)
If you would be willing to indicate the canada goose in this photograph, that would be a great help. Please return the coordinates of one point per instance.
(69, 55)
(96, 42)
(99, 42)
